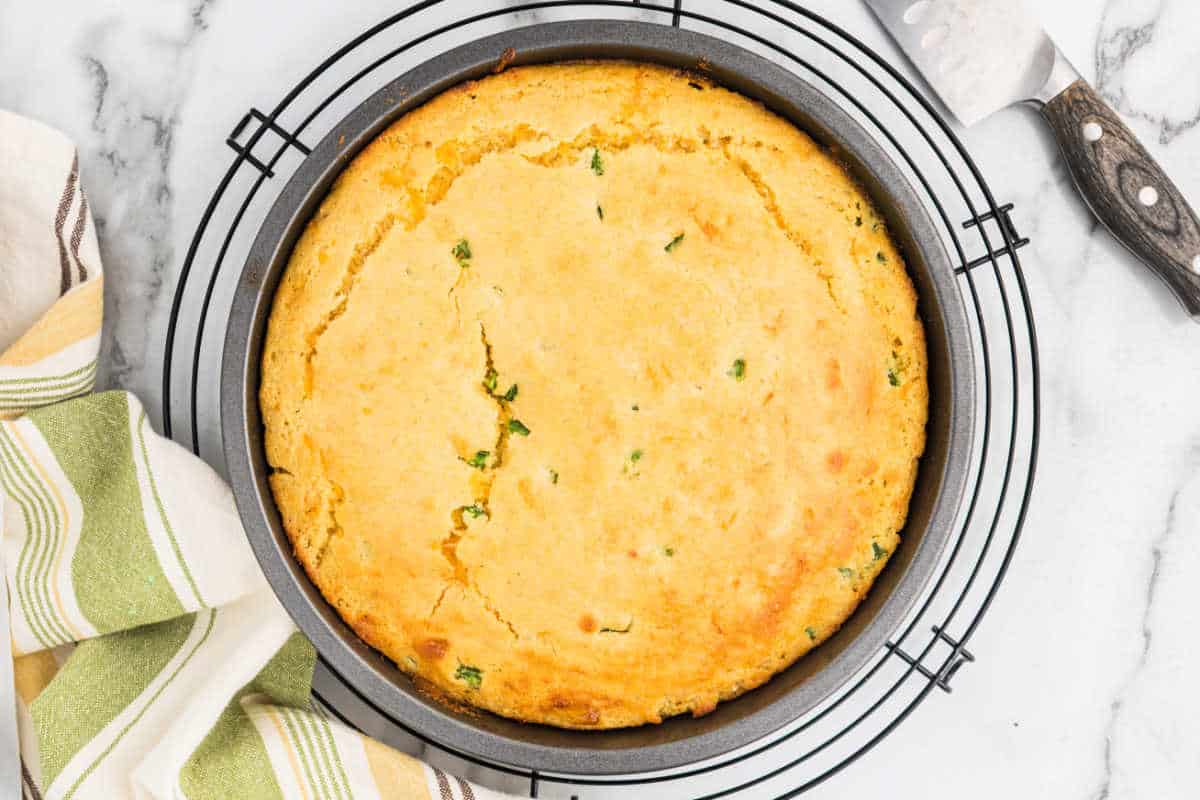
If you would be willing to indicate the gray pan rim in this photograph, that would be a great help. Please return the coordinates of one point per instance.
(678, 741)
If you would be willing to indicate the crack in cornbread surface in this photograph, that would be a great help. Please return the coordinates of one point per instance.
(594, 394)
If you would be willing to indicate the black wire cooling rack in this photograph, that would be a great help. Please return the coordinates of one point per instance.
(930, 648)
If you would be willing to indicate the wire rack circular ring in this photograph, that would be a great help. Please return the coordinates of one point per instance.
(931, 647)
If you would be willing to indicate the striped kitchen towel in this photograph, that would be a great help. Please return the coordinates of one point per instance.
(151, 659)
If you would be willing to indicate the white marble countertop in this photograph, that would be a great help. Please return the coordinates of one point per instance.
(1082, 687)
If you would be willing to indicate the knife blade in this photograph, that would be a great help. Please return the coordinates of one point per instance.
(980, 56)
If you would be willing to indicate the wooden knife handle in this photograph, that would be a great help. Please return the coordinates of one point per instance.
(1127, 190)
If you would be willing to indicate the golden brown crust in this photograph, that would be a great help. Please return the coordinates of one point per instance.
(673, 530)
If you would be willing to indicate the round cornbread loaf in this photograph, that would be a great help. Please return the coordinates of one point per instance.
(594, 393)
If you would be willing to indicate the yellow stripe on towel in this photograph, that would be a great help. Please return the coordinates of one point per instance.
(33, 672)
(397, 776)
(74, 317)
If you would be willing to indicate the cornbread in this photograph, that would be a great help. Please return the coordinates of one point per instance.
(594, 394)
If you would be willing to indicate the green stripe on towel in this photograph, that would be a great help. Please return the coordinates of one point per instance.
(322, 722)
(7, 382)
(46, 391)
(316, 781)
(232, 760)
(33, 572)
(70, 712)
(26, 596)
(205, 618)
(117, 578)
(162, 511)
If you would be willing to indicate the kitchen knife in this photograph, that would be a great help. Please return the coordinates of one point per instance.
(983, 55)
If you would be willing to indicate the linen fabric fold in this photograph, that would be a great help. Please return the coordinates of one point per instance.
(151, 660)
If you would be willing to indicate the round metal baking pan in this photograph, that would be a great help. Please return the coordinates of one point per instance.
(789, 695)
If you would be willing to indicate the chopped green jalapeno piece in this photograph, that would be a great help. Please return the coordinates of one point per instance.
(671, 245)
(631, 461)
(462, 253)
(471, 676)
(517, 427)
(597, 162)
(896, 368)
(738, 370)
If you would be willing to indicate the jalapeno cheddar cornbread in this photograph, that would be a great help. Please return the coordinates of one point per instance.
(594, 394)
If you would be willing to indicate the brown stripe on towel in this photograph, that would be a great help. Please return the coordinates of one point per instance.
(465, 788)
(30, 787)
(60, 219)
(443, 784)
(77, 236)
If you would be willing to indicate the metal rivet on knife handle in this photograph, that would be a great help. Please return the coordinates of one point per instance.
(1128, 191)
